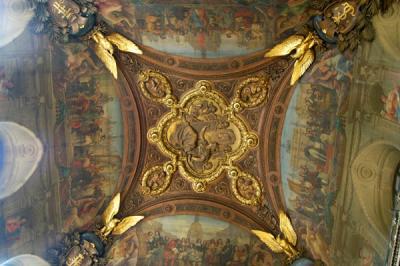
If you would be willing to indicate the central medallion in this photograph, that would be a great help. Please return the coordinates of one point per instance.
(203, 135)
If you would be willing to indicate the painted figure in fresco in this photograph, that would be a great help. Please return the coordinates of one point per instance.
(170, 253)
(226, 252)
(6, 86)
(79, 61)
(260, 256)
(162, 250)
(13, 226)
(392, 104)
(201, 27)
(315, 242)
(240, 256)
(124, 252)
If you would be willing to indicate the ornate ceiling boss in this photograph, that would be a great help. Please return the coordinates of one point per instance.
(203, 135)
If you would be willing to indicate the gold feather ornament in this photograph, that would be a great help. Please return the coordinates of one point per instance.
(104, 48)
(113, 225)
(303, 53)
(283, 243)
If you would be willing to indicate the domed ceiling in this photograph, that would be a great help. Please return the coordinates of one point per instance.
(204, 137)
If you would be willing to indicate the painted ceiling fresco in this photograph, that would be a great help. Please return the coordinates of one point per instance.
(188, 240)
(205, 138)
(205, 29)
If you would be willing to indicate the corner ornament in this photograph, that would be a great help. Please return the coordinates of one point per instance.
(203, 135)
(285, 242)
(337, 24)
(76, 20)
(89, 247)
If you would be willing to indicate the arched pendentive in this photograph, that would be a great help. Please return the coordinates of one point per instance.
(373, 176)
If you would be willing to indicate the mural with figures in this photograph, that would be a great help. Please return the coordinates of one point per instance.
(79, 122)
(312, 152)
(187, 240)
(197, 29)
(390, 95)
(88, 130)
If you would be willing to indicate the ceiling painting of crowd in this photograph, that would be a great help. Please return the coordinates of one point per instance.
(189, 240)
(315, 145)
(89, 135)
(73, 109)
(312, 150)
(199, 29)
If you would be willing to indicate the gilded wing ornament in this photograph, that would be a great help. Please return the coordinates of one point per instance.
(113, 225)
(123, 43)
(304, 54)
(269, 240)
(105, 51)
(126, 223)
(287, 229)
(279, 244)
(112, 209)
(107, 59)
(301, 65)
(285, 47)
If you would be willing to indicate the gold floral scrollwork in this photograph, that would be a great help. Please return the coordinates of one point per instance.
(245, 187)
(202, 136)
(250, 93)
(157, 179)
(156, 87)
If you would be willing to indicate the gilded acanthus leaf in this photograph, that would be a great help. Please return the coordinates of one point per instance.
(126, 223)
(285, 47)
(287, 229)
(112, 209)
(123, 43)
(301, 65)
(269, 240)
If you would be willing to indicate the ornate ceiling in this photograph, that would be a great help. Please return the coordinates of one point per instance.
(203, 136)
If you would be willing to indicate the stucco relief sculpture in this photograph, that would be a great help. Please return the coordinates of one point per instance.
(203, 135)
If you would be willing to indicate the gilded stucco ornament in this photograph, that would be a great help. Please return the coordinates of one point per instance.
(337, 24)
(76, 20)
(203, 135)
(285, 242)
(89, 247)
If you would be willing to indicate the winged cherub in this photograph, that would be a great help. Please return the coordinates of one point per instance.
(284, 242)
(113, 225)
(304, 53)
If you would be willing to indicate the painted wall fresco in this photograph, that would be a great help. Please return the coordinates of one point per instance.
(313, 150)
(385, 80)
(205, 29)
(186, 240)
(88, 130)
(71, 103)
(20, 103)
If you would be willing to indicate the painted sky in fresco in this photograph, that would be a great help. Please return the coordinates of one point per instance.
(175, 225)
